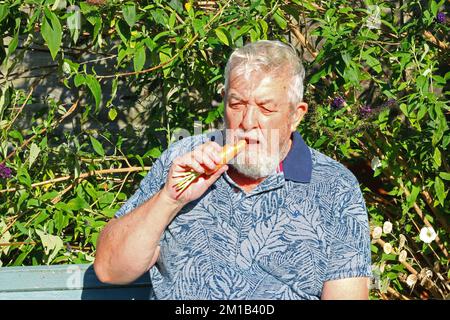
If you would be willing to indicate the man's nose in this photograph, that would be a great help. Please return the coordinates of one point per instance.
(250, 120)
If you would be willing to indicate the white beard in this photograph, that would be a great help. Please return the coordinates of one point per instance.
(256, 161)
(260, 165)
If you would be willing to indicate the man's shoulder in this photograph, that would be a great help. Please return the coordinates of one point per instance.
(327, 169)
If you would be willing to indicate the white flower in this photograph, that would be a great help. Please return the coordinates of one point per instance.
(387, 227)
(411, 280)
(427, 234)
(387, 248)
(375, 163)
(402, 256)
(401, 242)
(376, 233)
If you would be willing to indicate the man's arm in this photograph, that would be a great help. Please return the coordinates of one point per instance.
(349, 259)
(346, 289)
(129, 246)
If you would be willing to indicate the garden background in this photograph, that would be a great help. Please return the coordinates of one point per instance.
(93, 91)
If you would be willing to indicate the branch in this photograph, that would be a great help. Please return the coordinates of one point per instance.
(429, 37)
(396, 294)
(26, 142)
(33, 86)
(301, 38)
(9, 244)
(81, 177)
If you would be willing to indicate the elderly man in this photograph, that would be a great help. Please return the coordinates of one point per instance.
(281, 221)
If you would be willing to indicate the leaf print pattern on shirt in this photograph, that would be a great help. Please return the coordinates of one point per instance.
(228, 284)
(265, 237)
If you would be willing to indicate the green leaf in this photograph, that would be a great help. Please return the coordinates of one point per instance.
(34, 152)
(440, 190)
(95, 88)
(123, 31)
(177, 5)
(77, 204)
(374, 248)
(413, 196)
(19, 226)
(199, 25)
(165, 55)
(404, 109)
(139, 58)
(5, 236)
(373, 63)
(422, 111)
(59, 4)
(390, 26)
(97, 146)
(154, 153)
(139, 158)
(4, 10)
(316, 77)
(112, 114)
(79, 80)
(352, 75)
(129, 14)
(74, 24)
(48, 195)
(51, 32)
(24, 177)
(52, 244)
(15, 40)
(434, 7)
(437, 157)
(16, 135)
(224, 36)
(279, 18)
(445, 175)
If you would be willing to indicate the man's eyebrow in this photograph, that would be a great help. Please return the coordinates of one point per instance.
(235, 96)
(266, 101)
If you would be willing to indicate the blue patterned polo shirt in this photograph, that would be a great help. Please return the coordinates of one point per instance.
(300, 227)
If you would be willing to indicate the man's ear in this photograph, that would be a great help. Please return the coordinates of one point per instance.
(222, 92)
(299, 112)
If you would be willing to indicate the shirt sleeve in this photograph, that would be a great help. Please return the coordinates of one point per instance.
(349, 253)
(156, 177)
(149, 186)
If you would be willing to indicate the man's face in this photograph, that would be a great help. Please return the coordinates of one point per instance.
(258, 110)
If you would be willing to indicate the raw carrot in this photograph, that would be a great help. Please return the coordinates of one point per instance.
(226, 155)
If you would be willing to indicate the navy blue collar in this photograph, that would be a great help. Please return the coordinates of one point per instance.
(297, 166)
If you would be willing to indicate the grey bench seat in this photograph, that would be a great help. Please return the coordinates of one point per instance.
(66, 282)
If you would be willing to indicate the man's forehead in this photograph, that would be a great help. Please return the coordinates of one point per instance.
(240, 83)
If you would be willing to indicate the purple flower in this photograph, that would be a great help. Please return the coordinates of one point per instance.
(338, 102)
(440, 17)
(5, 172)
(366, 110)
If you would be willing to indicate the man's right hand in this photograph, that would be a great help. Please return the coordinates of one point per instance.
(202, 159)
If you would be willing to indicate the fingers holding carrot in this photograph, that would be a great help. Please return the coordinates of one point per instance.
(193, 173)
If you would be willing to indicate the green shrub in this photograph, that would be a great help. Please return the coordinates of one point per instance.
(376, 85)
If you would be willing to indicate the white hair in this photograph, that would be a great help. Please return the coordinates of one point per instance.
(271, 57)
